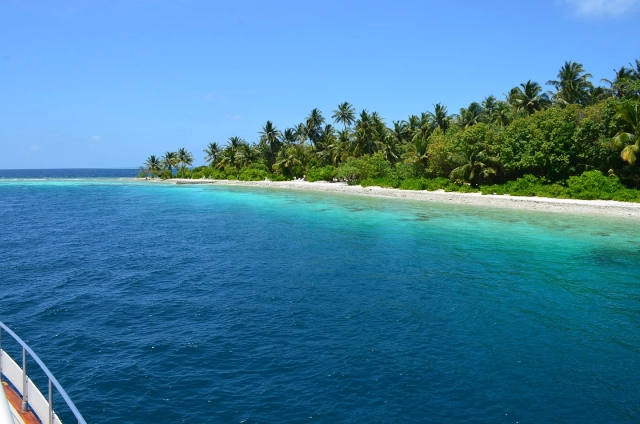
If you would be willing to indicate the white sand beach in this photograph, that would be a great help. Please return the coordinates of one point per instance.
(542, 204)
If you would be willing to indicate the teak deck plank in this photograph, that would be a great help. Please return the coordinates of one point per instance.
(16, 401)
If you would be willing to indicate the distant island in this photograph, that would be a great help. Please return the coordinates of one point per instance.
(579, 141)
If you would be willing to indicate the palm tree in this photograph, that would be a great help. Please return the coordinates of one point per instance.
(246, 155)
(473, 166)
(235, 142)
(572, 85)
(345, 114)
(635, 69)
(291, 161)
(422, 127)
(439, 117)
(379, 130)
(301, 133)
(313, 125)
(377, 119)
(596, 94)
(470, 116)
(230, 153)
(289, 136)
(213, 152)
(489, 104)
(365, 127)
(622, 76)
(630, 138)
(528, 97)
(185, 158)
(340, 148)
(500, 114)
(326, 139)
(327, 135)
(391, 147)
(169, 161)
(271, 136)
(401, 131)
(153, 165)
(300, 155)
(417, 153)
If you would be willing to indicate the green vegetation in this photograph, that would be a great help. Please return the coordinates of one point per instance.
(580, 141)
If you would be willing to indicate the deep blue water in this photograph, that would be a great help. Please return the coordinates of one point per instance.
(164, 304)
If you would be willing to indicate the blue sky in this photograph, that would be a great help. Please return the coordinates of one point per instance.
(97, 83)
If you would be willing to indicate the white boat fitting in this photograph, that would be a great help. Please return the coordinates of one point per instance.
(6, 416)
(21, 402)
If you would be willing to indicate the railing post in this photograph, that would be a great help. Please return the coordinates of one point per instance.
(25, 380)
(25, 386)
(50, 403)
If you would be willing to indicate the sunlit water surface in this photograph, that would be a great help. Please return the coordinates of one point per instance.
(164, 304)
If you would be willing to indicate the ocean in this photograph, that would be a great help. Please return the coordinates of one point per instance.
(164, 304)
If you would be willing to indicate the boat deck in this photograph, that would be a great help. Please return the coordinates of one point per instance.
(15, 402)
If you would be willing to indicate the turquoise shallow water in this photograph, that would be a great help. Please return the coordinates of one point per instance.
(155, 303)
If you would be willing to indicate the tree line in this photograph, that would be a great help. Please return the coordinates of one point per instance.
(549, 136)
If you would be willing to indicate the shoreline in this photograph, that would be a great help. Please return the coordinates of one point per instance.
(541, 204)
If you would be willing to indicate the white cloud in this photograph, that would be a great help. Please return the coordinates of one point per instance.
(235, 117)
(95, 138)
(34, 148)
(604, 8)
(208, 97)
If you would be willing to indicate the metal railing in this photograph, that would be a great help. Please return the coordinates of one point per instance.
(52, 380)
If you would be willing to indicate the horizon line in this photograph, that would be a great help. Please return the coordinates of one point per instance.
(34, 169)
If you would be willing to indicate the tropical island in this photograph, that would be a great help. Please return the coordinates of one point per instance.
(579, 141)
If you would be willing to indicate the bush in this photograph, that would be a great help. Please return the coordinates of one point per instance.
(230, 172)
(365, 167)
(593, 185)
(165, 174)
(253, 172)
(414, 184)
(525, 186)
(467, 188)
(440, 184)
(435, 184)
(277, 177)
(385, 182)
(215, 174)
(528, 186)
(200, 169)
(184, 173)
(200, 172)
(349, 172)
(327, 173)
(403, 171)
(418, 184)
(142, 173)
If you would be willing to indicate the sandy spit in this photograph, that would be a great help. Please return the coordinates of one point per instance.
(542, 204)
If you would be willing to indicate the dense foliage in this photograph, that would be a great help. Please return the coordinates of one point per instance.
(579, 141)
